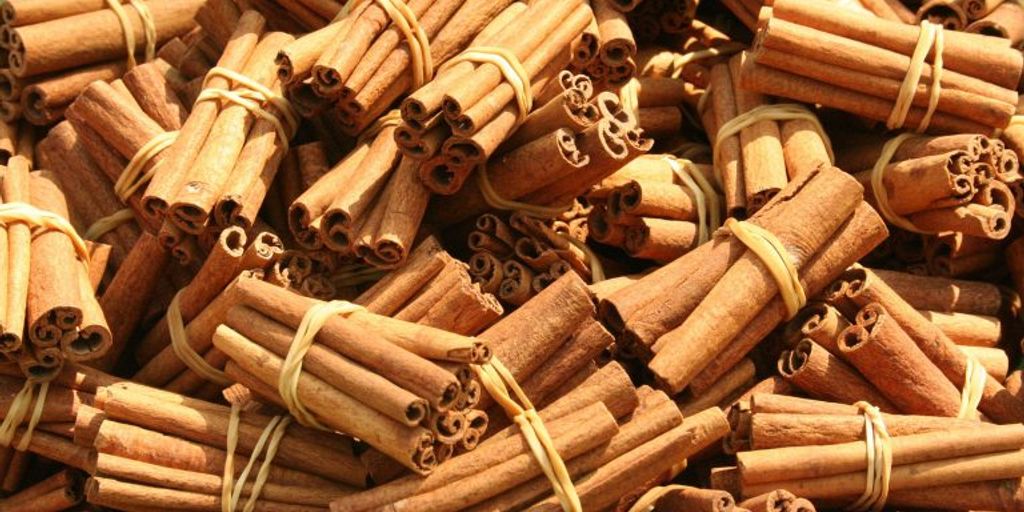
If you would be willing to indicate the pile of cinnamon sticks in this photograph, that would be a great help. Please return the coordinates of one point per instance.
(405, 255)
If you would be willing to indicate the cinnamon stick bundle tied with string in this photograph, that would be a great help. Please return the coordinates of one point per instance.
(851, 230)
(860, 287)
(759, 145)
(52, 313)
(779, 421)
(954, 183)
(49, 66)
(866, 70)
(394, 396)
(918, 462)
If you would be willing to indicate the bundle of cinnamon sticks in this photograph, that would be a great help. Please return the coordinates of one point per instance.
(53, 49)
(648, 210)
(51, 313)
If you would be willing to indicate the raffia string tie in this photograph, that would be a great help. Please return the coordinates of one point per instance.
(498, 380)
(231, 490)
(650, 498)
(42, 221)
(975, 378)
(256, 98)
(133, 177)
(930, 40)
(771, 112)
(774, 255)
(391, 118)
(291, 369)
(109, 223)
(32, 396)
(709, 208)
(878, 184)
(879, 454)
(184, 351)
(494, 200)
(513, 71)
(148, 28)
(415, 37)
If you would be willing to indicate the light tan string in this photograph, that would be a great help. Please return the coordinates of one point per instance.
(494, 200)
(497, 202)
(291, 369)
(650, 498)
(975, 378)
(42, 221)
(108, 224)
(497, 380)
(931, 37)
(702, 102)
(879, 466)
(676, 62)
(231, 490)
(132, 177)
(254, 97)
(709, 209)
(184, 351)
(688, 150)
(26, 399)
(773, 254)
(771, 112)
(415, 37)
(513, 71)
(878, 184)
(148, 28)
(392, 118)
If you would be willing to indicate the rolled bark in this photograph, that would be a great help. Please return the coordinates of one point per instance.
(865, 288)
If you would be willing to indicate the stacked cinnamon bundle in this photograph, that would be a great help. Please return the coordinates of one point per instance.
(954, 183)
(50, 309)
(433, 289)
(570, 164)
(71, 390)
(156, 449)
(223, 159)
(948, 380)
(866, 70)
(110, 145)
(654, 207)
(516, 257)
(369, 205)
(758, 145)
(371, 376)
(53, 49)
(358, 65)
(458, 120)
(928, 462)
(703, 327)
(611, 436)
